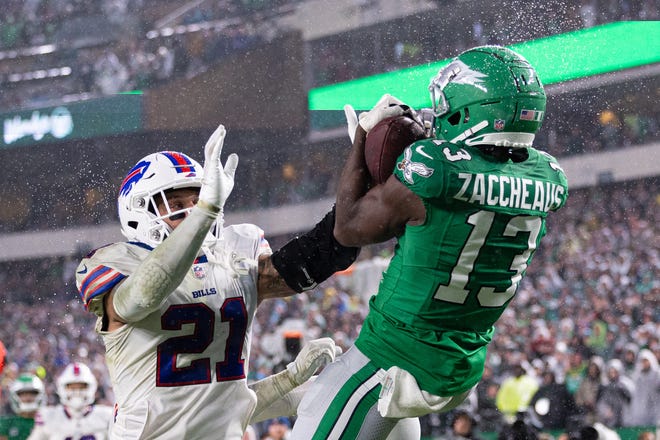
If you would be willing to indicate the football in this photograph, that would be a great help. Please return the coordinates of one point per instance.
(386, 141)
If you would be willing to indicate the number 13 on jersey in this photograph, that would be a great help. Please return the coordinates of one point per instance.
(456, 290)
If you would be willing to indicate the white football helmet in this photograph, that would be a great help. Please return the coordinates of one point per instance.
(150, 177)
(26, 383)
(77, 398)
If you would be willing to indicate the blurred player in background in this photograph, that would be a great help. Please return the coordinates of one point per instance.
(468, 207)
(26, 395)
(3, 354)
(175, 303)
(76, 417)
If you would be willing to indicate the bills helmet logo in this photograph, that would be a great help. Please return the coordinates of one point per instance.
(134, 176)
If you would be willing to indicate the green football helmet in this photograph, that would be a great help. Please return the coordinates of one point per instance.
(488, 95)
(34, 390)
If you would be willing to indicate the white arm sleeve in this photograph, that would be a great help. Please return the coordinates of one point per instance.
(286, 405)
(272, 388)
(164, 269)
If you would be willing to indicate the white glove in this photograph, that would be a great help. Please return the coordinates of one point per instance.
(314, 355)
(386, 107)
(351, 121)
(218, 181)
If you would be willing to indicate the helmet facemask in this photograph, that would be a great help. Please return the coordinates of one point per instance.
(26, 384)
(437, 87)
(78, 398)
(76, 387)
(149, 204)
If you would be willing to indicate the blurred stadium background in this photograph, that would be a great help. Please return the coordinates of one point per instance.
(87, 87)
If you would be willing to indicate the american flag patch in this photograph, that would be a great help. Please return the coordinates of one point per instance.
(531, 115)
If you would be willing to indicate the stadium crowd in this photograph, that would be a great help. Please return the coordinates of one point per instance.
(142, 55)
(590, 302)
(584, 320)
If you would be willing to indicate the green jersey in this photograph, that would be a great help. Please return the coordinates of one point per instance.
(15, 427)
(451, 278)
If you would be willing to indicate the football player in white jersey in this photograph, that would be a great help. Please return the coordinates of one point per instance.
(175, 303)
(76, 417)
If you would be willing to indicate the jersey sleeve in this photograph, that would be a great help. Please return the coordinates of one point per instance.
(419, 167)
(556, 174)
(102, 270)
(248, 237)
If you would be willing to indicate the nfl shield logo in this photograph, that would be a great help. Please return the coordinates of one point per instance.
(199, 272)
(499, 124)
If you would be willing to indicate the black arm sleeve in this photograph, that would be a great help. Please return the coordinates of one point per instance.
(313, 257)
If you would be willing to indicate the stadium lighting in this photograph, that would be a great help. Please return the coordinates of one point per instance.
(559, 58)
(39, 74)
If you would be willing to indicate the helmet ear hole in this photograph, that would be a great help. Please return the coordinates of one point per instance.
(454, 119)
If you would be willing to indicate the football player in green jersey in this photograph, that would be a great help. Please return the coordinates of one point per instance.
(26, 395)
(468, 207)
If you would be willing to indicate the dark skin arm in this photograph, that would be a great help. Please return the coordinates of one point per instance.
(270, 283)
(372, 215)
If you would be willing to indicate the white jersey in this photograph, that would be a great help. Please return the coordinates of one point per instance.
(57, 423)
(181, 372)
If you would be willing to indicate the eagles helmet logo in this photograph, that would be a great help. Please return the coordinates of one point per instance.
(468, 76)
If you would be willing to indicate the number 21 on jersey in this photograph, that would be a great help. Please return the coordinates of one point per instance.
(203, 319)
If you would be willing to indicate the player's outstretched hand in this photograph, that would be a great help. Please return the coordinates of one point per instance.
(387, 107)
(218, 180)
(314, 355)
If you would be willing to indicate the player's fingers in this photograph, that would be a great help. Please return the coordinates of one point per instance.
(351, 116)
(213, 146)
(351, 120)
(387, 100)
(392, 100)
(395, 110)
(231, 165)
